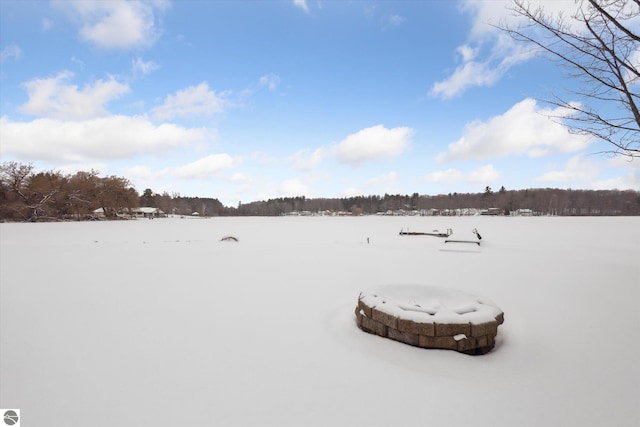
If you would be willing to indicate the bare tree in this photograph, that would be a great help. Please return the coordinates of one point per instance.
(14, 178)
(600, 45)
(42, 190)
(115, 194)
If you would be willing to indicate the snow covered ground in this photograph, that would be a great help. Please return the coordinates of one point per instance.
(159, 323)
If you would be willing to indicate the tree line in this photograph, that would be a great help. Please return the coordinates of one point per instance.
(29, 196)
(539, 201)
(26, 195)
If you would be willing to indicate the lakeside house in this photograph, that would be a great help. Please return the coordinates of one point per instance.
(147, 212)
(143, 212)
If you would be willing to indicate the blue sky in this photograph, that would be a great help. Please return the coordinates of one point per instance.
(250, 100)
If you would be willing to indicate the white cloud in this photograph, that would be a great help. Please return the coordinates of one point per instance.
(10, 51)
(352, 192)
(302, 4)
(395, 20)
(142, 68)
(113, 137)
(377, 185)
(489, 52)
(293, 187)
(525, 129)
(630, 181)
(483, 13)
(78, 62)
(202, 169)
(270, 81)
(47, 24)
(142, 174)
(73, 168)
(629, 77)
(54, 98)
(373, 143)
(467, 52)
(194, 100)
(448, 175)
(383, 180)
(577, 169)
(116, 24)
(240, 178)
(205, 167)
(624, 162)
(484, 174)
(466, 75)
(304, 160)
(485, 71)
(580, 171)
(369, 144)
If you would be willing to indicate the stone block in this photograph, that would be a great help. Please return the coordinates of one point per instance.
(384, 318)
(451, 329)
(486, 341)
(418, 328)
(405, 337)
(488, 328)
(467, 344)
(392, 312)
(365, 308)
(491, 341)
(373, 327)
(483, 350)
(446, 343)
(482, 341)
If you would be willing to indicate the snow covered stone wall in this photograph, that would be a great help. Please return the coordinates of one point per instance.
(430, 317)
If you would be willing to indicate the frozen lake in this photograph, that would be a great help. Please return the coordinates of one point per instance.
(159, 323)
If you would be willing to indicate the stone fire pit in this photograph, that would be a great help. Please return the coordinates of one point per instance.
(430, 317)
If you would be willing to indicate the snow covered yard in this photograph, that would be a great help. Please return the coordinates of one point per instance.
(159, 323)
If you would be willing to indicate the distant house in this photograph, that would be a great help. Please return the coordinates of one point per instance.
(135, 213)
(147, 212)
(524, 212)
(490, 211)
(99, 213)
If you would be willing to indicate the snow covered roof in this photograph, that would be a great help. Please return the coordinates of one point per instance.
(147, 210)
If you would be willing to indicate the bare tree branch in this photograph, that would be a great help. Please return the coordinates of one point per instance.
(603, 53)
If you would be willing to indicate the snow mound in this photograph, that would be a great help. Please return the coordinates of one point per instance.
(430, 317)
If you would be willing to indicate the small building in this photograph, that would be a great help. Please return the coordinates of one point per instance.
(147, 212)
(490, 211)
(99, 213)
(524, 212)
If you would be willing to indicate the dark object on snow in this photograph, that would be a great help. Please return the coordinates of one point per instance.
(436, 233)
(229, 239)
(406, 314)
(463, 241)
(477, 242)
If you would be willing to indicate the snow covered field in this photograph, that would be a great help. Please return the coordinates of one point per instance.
(159, 323)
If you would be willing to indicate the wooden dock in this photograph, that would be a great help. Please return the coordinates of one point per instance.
(432, 234)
